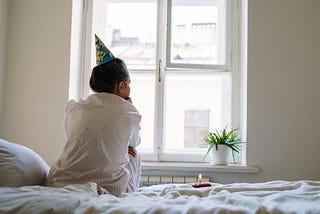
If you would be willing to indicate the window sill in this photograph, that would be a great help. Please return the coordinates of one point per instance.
(197, 167)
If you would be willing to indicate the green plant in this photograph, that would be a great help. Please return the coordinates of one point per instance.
(223, 137)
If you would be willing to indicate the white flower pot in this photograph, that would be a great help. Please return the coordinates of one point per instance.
(220, 157)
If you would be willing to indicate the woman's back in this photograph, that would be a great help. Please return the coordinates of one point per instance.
(98, 130)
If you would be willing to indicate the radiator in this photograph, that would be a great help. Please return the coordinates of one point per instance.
(148, 180)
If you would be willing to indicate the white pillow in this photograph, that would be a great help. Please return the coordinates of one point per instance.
(20, 166)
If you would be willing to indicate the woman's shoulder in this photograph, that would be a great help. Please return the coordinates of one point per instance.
(129, 107)
(72, 104)
(130, 112)
(114, 102)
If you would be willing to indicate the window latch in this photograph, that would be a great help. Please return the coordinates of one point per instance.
(159, 70)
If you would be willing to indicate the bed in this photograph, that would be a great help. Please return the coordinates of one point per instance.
(32, 196)
(268, 197)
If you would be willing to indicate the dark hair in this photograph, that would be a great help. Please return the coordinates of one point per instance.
(104, 77)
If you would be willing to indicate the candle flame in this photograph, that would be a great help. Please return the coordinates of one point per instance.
(200, 177)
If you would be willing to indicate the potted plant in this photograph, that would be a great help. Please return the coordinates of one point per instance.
(220, 143)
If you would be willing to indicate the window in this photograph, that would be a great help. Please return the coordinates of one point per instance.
(196, 123)
(183, 57)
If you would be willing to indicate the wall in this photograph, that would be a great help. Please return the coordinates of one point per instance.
(37, 75)
(3, 49)
(283, 90)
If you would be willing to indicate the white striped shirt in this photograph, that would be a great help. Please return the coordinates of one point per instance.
(98, 132)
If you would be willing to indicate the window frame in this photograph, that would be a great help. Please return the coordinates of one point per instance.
(164, 66)
(234, 52)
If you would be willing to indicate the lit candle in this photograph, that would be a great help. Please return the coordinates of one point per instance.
(200, 177)
(200, 183)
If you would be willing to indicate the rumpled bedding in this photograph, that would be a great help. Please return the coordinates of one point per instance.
(270, 197)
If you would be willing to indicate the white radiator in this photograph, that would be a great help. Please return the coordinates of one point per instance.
(148, 180)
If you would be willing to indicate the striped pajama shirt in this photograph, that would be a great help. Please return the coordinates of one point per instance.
(98, 132)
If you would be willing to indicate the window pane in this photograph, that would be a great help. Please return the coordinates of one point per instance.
(193, 105)
(142, 94)
(198, 32)
(128, 28)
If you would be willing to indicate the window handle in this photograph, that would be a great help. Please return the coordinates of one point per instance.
(159, 70)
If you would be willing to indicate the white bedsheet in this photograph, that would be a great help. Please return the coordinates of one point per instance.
(270, 197)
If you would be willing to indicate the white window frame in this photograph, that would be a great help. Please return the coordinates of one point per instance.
(233, 15)
(235, 47)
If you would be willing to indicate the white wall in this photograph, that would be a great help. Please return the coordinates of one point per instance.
(3, 48)
(283, 90)
(37, 75)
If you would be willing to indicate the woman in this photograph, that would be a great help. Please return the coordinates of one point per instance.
(102, 132)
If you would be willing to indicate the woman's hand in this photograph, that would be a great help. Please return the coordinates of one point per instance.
(132, 151)
(129, 99)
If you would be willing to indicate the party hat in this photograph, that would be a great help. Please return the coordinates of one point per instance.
(103, 54)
